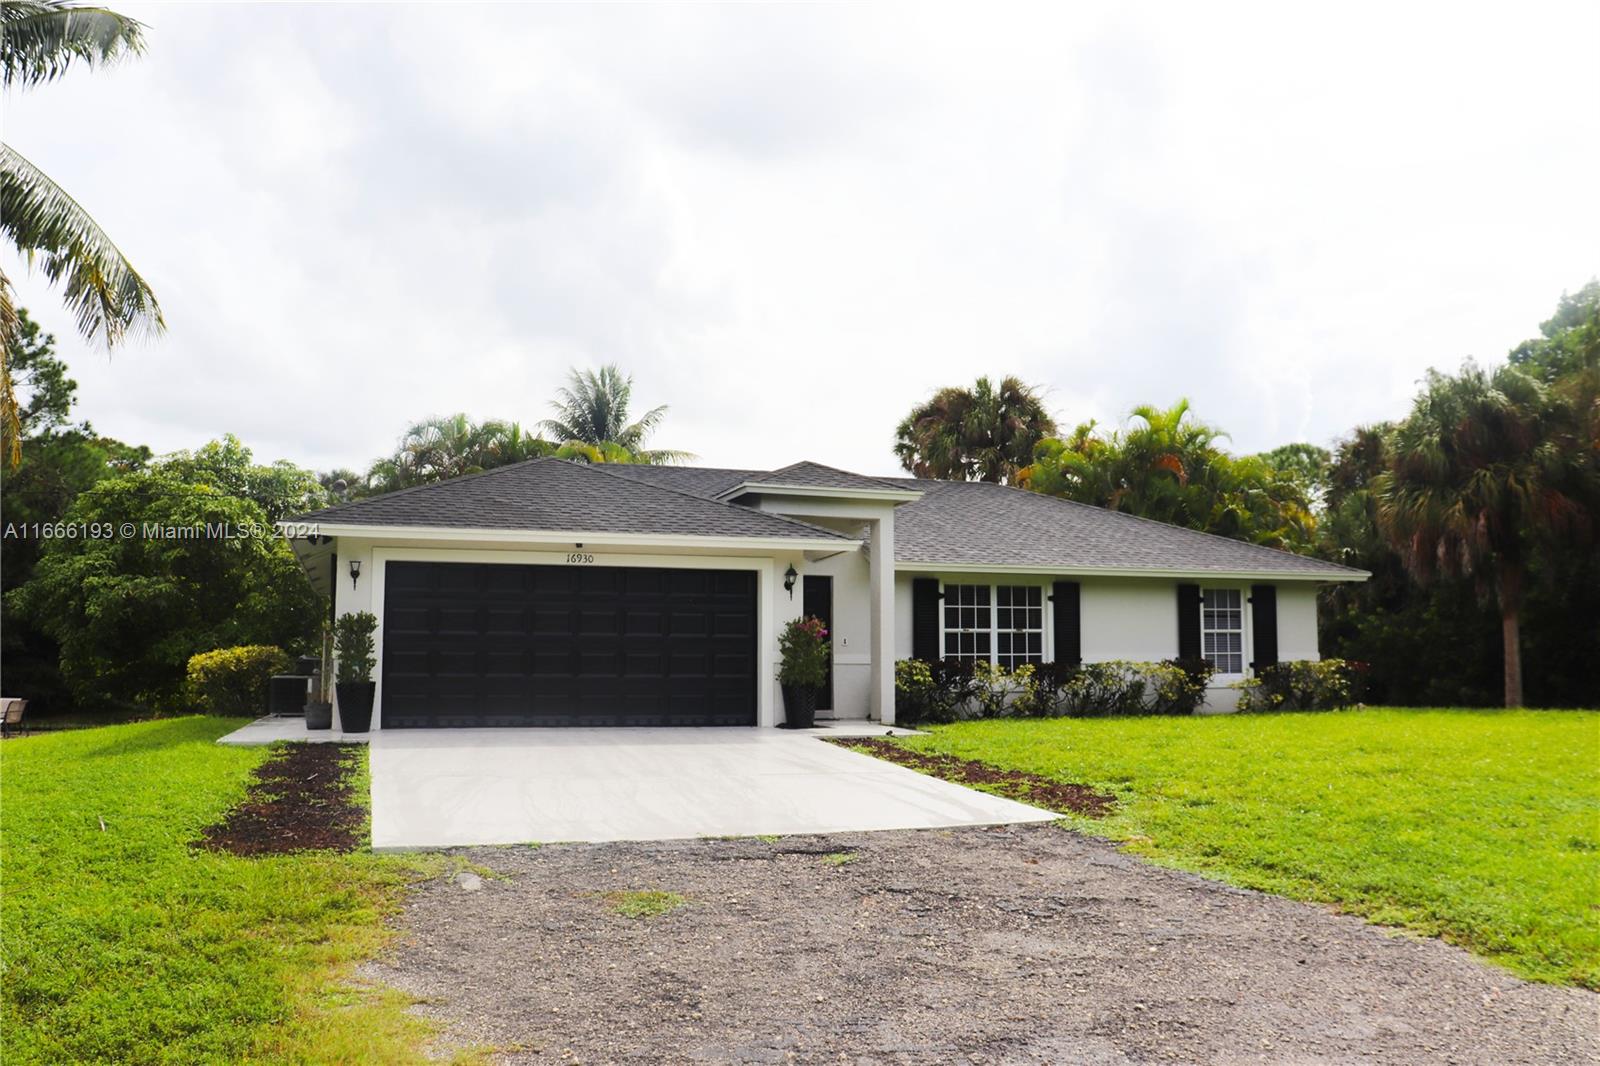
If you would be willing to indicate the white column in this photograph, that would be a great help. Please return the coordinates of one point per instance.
(881, 570)
(350, 596)
(779, 609)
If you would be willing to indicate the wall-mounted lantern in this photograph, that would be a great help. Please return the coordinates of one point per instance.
(789, 578)
(355, 572)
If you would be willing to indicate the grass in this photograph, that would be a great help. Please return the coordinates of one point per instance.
(126, 945)
(1480, 827)
(644, 904)
(840, 858)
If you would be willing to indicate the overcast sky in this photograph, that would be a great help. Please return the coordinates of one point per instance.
(791, 223)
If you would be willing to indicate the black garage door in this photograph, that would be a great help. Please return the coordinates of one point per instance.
(466, 644)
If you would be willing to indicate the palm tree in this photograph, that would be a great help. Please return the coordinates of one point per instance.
(40, 40)
(1166, 465)
(437, 449)
(978, 434)
(1485, 466)
(593, 410)
(609, 451)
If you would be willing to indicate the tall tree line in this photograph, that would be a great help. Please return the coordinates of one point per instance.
(1476, 513)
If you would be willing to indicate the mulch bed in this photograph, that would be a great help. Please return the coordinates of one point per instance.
(301, 800)
(1023, 787)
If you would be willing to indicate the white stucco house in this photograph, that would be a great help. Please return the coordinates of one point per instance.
(552, 593)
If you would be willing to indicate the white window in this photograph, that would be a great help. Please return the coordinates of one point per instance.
(1018, 625)
(1001, 624)
(968, 622)
(1222, 629)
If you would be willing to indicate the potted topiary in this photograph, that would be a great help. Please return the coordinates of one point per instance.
(805, 649)
(352, 642)
(319, 708)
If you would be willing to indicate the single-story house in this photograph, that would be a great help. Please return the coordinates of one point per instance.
(554, 593)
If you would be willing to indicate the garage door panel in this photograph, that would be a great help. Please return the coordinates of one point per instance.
(688, 624)
(500, 644)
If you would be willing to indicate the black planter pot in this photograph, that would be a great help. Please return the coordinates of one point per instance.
(319, 715)
(355, 705)
(799, 706)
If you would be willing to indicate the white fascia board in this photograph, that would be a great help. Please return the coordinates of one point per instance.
(763, 489)
(568, 537)
(1118, 571)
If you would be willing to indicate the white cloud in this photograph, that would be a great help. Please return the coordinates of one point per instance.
(791, 223)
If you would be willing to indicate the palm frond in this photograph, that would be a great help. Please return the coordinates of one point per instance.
(10, 414)
(41, 39)
(100, 286)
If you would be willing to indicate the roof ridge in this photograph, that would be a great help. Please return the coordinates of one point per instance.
(723, 503)
(821, 466)
(408, 490)
(1152, 521)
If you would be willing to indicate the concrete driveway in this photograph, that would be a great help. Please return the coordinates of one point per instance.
(434, 788)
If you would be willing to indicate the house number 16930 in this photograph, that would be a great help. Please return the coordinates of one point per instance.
(580, 557)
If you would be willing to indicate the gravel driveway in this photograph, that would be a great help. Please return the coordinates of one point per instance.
(1018, 944)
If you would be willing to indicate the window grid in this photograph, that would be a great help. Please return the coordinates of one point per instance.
(1001, 624)
(968, 622)
(1019, 625)
(1222, 629)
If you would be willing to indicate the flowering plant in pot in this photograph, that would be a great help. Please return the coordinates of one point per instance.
(804, 667)
(352, 642)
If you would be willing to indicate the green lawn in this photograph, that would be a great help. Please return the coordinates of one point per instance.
(1479, 827)
(124, 945)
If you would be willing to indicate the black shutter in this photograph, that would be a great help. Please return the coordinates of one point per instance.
(1188, 621)
(1065, 604)
(925, 619)
(1264, 628)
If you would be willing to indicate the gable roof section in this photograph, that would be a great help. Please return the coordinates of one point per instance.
(974, 523)
(815, 475)
(556, 495)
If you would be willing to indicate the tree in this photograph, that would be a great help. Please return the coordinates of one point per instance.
(1486, 466)
(979, 434)
(1569, 340)
(1306, 463)
(61, 460)
(40, 40)
(437, 449)
(1166, 465)
(184, 561)
(36, 371)
(593, 409)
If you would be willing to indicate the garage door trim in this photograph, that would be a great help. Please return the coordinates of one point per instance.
(759, 569)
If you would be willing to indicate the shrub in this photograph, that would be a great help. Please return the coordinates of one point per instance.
(805, 650)
(233, 681)
(999, 692)
(1120, 687)
(952, 690)
(933, 692)
(1047, 694)
(1305, 685)
(352, 642)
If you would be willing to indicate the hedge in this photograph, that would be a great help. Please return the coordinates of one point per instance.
(233, 681)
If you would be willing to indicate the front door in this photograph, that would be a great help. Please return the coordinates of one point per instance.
(818, 597)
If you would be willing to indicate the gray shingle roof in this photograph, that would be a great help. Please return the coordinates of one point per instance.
(975, 523)
(707, 481)
(552, 494)
(815, 475)
(954, 523)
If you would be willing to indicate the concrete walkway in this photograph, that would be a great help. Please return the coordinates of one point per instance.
(271, 730)
(455, 787)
